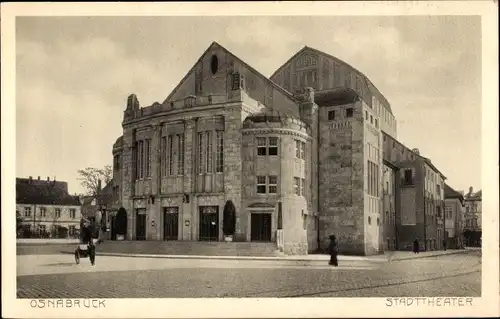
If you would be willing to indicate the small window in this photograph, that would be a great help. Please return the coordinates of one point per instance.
(371, 119)
(302, 150)
(273, 146)
(72, 213)
(273, 184)
(331, 115)
(408, 177)
(58, 212)
(261, 184)
(261, 146)
(297, 149)
(296, 185)
(349, 112)
(43, 211)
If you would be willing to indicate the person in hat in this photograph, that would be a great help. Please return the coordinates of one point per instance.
(333, 251)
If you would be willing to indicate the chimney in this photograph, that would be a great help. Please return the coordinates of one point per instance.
(38, 177)
(48, 179)
(470, 190)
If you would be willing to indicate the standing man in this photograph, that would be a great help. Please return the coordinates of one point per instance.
(333, 250)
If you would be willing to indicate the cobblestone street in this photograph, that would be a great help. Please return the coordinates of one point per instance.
(56, 276)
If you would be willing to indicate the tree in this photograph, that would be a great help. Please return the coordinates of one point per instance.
(90, 176)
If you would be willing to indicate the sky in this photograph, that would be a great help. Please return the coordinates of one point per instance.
(73, 76)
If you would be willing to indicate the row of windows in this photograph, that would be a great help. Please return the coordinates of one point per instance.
(267, 146)
(43, 212)
(349, 112)
(142, 158)
(372, 120)
(299, 186)
(206, 152)
(471, 222)
(373, 175)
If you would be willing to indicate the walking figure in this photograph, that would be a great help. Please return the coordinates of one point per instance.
(333, 250)
(416, 246)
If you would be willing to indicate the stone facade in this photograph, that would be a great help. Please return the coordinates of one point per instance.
(299, 166)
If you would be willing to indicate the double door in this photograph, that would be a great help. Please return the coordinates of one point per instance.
(261, 227)
(209, 223)
(171, 223)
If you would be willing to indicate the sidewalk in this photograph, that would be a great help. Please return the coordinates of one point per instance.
(387, 257)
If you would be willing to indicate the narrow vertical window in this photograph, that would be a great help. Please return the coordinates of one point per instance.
(261, 184)
(331, 115)
(273, 146)
(302, 187)
(201, 161)
(220, 152)
(297, 149)
(349, 112)
(209, 152)
(296, 185)
(148, 158)
(163, 156)
(302, 150)
(180, 154)
(273, 184)
(141, 159)
(170, 155)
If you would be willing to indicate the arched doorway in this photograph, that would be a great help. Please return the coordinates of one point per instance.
(119, 224)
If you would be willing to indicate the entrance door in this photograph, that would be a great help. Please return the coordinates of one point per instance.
(209, 223)
(171, 223)
(261, 227)
(140, 224)
(112, 227)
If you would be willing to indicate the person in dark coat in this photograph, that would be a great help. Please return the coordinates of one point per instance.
(444, 244)
(333, 251)
(416, 246)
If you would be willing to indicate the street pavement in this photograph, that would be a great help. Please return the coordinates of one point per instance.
(57, 276)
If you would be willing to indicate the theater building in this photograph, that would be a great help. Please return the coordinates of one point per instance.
(299, 155)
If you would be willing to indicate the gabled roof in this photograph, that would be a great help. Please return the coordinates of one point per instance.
(215, 44)
(451, 193)
(44, 194)
(474, 196)
(365, 78)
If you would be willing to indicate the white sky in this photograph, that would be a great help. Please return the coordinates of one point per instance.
(74, 75)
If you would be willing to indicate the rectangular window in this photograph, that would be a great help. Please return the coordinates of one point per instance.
(273, 146)
(408, 177)
(201, 151)
(302, 187)
(220, 152)
(170, 155)
(163, 155)
(148, 158)
(273, 184)
(302, 150)
(43, 211)
(261, 184)
(141, 159)
(261, 146)
(209, 152)
(297, 149)
(72, 213)
(71, 231)
(349, 112)
(58, 212)
(180, 154)
(296, 185)
(371, 119)
(366, 115)
(376, 123)
(27, 211)
(331, 115)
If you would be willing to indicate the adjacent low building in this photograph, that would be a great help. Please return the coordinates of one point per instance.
(45, 209)
(472, 217)
(454, 212)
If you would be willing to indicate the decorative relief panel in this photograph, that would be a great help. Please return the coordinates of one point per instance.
(306, 60)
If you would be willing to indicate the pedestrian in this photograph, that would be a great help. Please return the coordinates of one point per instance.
(86, 238)
(416, 246)
(333, 251)
(444, 244)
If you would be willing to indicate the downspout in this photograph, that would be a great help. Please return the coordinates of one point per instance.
(317, 177)
(425, 221)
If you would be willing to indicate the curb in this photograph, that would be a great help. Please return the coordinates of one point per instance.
(429, 256)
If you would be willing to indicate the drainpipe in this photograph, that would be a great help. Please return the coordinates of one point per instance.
(317, 174)
(425, 222)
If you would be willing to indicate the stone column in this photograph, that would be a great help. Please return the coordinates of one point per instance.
(128, 180)
(155, 208)
(188, 209)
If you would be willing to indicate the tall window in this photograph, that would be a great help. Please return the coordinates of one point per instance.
(261, 184)
(273, 184)
(273, 146)
(219, 160)
(72, 213)
(27, 211)
(170, 155)
(302, 150)
(58, 212)
(297, 149)
(140, 161)
(43, 211)
(163, 157)
(201, 154)
(302, 187)
(408, 177)
(148, 158)
(261, 146)
(331, 115)
(180, 154)
(116, 162)
(209, 152)
(296, 185)
(349, 112)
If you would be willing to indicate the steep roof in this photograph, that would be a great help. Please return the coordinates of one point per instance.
(451, 193)
(43, 194)
(370, 85)
(215, 44)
